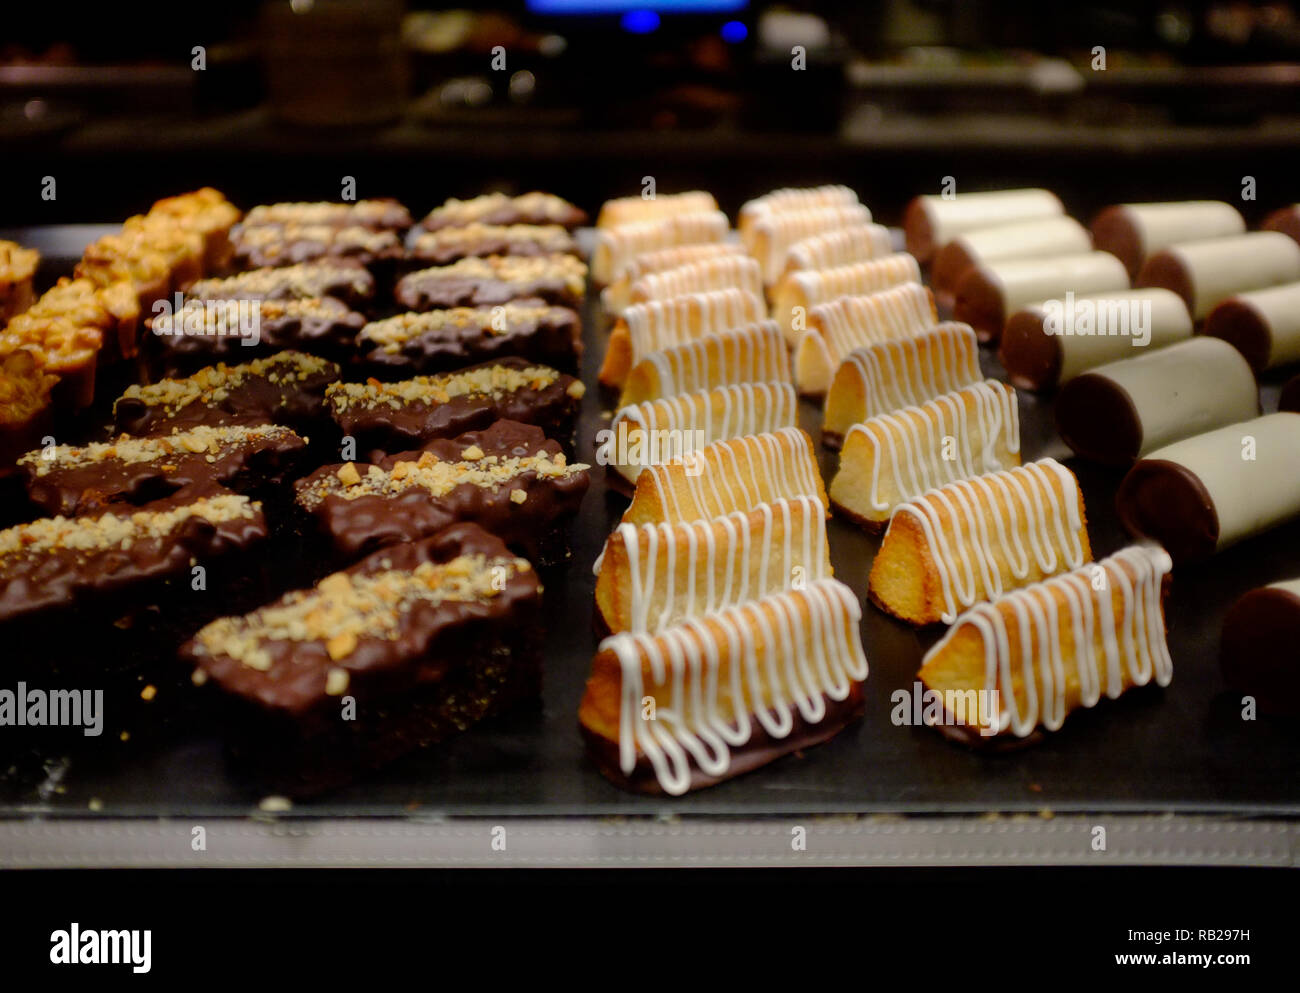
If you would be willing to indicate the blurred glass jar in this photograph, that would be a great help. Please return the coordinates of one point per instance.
(334, 63)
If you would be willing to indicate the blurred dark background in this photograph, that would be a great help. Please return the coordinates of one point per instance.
(280, 100)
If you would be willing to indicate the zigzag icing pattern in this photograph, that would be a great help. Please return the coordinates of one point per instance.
(789, 198)
(770, 236)
(674, 427)
(631, 210)
(737, 474)
(618, 294)
(986, 530)
(715, 677)
(1113, 649)
(672, 571)
(835, 329)
(835, 248)
(901, 373)
(906, 448)
(809, 287)
(720, 273)
(615, 247)
(755, 353)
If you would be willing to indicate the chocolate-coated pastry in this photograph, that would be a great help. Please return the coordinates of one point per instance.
(447, 245)
(1263, 324)
(1204, 273)
(498, 279)
(930, 222)
(1258, 651)
(377, 214)
(257, 246)
(1286, 220)
(1133, 232)
(343, 280)
(499, 208)
(1041, 237)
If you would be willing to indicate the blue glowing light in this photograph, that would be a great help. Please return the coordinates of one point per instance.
(640, 21)
(734, 32)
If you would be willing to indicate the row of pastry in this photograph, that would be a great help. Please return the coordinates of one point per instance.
(729, 642)
(1140, 388)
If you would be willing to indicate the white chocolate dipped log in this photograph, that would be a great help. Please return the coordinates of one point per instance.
(676, 427)
(798, 292)
(1133, 232)
(903, 372)
(1120, 411)
(1040, 238)
(991, 292)
(1264, 325)
(837, 328)
(1039, 653)
(1204, 273)
(1050, 342)
(840, 247)
(1203, 494)
(930, 222)
(896, 457)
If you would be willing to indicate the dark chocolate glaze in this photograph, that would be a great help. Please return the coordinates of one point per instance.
(431, 253)
(1290, 398)
(428, 290)
(59, 578)
(255, 400)
(330, 333)
(1242, 326)
(949, 265)
(978, 302)
(242, 467)
(1114, 231)
(918, 232)
(554, 339)
(510, 213)
(294, 248)
(1096, 417)
(1031, 356)
(388, 429)
(1166, 270)
(1286, 220)
(360, 525)
(1258, 653)
(758, 751)
(383, 668)
(339, 278)
(1166, 501)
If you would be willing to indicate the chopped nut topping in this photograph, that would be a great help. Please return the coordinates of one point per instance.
(511, 269)
(336, 680)
(213, 384)
(529, 204)
(135, 450)
(472, 454)
(308, 279)
(348, 474)
(393, 332)
(492, 381)
(518, 496)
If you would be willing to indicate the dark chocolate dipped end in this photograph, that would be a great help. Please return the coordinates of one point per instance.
(1114, 231)
(1166, 271)
(1031, 356)
(918, 231)
(978, 302)
(1165, 501)
(1243, 327)
(1258, 650)
(1096, 417)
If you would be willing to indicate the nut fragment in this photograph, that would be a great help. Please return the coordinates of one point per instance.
(336, 682)
(341, 645)
(472, 454)
(348, 474)
(518, 496)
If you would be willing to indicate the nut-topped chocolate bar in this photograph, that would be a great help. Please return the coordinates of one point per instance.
(509, 478)
(442, 340)
(291, 244)
(390, 417)
(349, 282)
(478, 282)
(501, 209)
(447, 245)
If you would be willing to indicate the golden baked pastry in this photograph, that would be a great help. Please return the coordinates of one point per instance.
(753, 353)
(798, 292)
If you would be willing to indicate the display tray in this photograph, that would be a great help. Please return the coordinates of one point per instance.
(1182, 749)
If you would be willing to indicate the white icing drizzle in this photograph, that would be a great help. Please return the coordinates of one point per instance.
(840, 247)
(630, 210)
(913, 439)
(772, 233)
(724, 272)
(792, 198)
(840, 326)
(717, 414)
(905, 372)
(972, 525)
(676, 567)
(715, 676)
(1025, 627)
(856, 278)
(753, 354)
(658, 324)
(738, 474)
(615, 247)
(663, 259)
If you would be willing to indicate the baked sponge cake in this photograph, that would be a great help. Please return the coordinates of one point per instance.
(676, 427)
(904, 372)
(724, 693)
(737, 474)
(896, 457)
(1041, 652)
(658, 324)
(975, 539)
(652, 576)
(798, 292)
(835, 329)
(754, 353)
(618, 294)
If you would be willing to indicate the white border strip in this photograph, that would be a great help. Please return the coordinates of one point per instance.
(1013, 840)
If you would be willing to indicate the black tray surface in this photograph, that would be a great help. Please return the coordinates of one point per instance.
(1183, 749)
